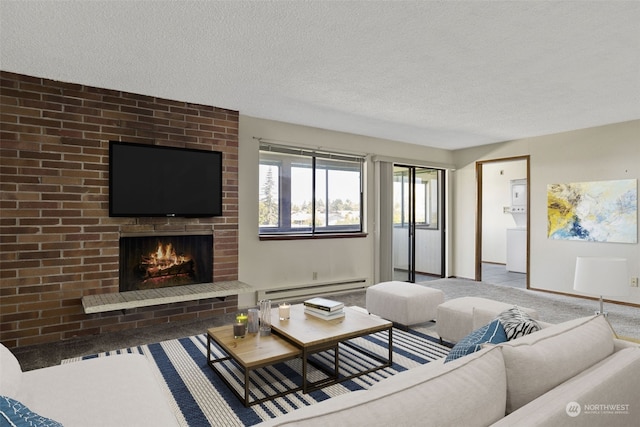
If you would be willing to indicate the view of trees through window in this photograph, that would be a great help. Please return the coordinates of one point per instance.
(309, 193)
(268, 206)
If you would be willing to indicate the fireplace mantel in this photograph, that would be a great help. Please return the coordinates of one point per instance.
(127, 300)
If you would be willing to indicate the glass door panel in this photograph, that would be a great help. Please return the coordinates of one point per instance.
(418, 234)
(402, 223)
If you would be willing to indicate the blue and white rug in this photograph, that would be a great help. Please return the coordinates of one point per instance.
(201, 398)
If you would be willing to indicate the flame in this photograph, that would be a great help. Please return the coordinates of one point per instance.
(164, 257)
(165, 254)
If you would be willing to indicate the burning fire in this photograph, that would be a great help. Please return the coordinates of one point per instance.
(163, 259)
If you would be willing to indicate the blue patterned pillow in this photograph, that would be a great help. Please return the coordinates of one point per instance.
(16, 414)
(492, 333)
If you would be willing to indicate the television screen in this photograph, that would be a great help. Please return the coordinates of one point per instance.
(150, 180)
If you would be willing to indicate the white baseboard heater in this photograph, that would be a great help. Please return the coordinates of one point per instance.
(312, 289)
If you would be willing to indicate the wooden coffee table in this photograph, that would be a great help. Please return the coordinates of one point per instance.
(312, 335)
(250, 353)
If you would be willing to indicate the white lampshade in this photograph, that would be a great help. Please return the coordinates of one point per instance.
(602, 276)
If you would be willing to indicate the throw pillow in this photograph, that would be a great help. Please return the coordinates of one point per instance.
(517, 323)
(16, 414)
(492, 333)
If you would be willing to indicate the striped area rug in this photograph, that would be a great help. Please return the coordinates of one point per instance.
(201, 398)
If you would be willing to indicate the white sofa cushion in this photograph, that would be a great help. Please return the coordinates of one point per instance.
(538, 362)
(613, 381)
(119, 390)
(10, 373)
(470, 391)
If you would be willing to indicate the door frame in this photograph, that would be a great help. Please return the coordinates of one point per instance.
(479, 165)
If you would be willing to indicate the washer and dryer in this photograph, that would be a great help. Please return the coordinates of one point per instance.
(517, 236)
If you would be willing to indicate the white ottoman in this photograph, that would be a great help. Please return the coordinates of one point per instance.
(458, 317)
(403, 303)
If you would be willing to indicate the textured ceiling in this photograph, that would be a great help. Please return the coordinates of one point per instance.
(441, 74)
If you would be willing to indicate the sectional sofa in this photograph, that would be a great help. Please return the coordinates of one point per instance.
(570, 374)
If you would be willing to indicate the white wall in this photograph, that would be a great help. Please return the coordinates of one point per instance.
(268, 264)
(496, 194)
(595, 154)
(602, 153)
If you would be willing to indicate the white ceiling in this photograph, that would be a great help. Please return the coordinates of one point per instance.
(442, 74)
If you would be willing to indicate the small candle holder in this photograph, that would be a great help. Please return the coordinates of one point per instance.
(284, 311)
(242, 318)
(239, 330)
(240, 326)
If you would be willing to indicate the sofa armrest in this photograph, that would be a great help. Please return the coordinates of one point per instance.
(613, 381)
(620, 344)
(10, 373)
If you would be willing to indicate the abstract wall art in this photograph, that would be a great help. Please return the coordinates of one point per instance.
(597, 211)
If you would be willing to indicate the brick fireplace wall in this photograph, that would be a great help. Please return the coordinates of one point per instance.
(58, 242)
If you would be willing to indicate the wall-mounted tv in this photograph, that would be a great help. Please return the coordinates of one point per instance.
(151, 180)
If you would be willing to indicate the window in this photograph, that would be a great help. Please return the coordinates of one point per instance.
(425, 182)
(309, 192)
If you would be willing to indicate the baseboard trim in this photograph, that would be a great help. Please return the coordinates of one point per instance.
(311, 289)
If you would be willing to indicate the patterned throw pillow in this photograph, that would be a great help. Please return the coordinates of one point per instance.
(517, 323)
(492, 333)
(14, 413)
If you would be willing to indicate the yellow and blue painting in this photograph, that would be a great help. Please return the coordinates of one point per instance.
(597, 211)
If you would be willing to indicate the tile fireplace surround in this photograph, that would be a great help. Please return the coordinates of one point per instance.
(59, 245)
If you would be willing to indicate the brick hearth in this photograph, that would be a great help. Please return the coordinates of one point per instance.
(58, 243)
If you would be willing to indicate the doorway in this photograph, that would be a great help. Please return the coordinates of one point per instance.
(502, 221)
(418, 223)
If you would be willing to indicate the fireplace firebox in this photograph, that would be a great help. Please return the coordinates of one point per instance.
(150, 262)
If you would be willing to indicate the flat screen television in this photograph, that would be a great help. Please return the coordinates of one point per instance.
(151, 180)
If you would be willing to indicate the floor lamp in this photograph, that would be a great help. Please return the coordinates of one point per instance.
(602, 276)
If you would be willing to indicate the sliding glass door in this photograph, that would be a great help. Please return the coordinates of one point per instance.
(418, 226)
